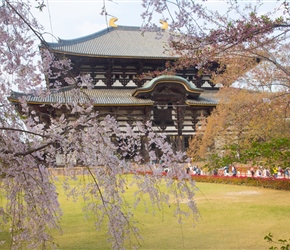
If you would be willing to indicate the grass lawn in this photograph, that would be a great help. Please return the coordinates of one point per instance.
(232, 217)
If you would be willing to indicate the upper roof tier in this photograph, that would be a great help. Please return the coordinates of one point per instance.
(119, 42)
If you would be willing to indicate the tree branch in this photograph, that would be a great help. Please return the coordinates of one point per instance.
(33, 150)
(23, 131)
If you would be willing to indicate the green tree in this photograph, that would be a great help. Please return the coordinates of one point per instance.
(250, 43)
(247, 126)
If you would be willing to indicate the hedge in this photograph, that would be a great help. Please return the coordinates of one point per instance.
(272, 183)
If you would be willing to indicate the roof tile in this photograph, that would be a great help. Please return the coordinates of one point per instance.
(101, 97)
(123, 41)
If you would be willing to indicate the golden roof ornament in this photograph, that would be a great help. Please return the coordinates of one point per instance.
(112, 22)
(164, 25)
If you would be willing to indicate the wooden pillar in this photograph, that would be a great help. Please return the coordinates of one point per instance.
(144, 153)
(179, 143)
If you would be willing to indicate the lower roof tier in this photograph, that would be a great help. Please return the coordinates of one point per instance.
(172, 90)
(104, 97)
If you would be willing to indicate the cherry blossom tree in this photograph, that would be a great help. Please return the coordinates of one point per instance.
(250, 42)
(242, 37)
(29, 148)
(236, 34)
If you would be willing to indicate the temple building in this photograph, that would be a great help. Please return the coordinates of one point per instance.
(122, 60)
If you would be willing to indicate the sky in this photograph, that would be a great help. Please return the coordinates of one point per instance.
(68, 19)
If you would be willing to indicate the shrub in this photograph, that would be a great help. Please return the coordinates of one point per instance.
(273, 183)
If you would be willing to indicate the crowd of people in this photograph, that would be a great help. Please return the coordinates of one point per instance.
(251, 171)
(259, 171)
(193, 170)
(231, 170)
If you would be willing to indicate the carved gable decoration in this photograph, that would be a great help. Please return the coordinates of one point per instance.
(168, 88)
(164, 94)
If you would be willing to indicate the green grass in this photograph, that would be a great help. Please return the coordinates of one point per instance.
(232, 217)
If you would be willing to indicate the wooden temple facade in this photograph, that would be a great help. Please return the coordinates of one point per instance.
(116, 58)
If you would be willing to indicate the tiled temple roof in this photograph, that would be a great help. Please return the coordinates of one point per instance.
(119, 42)
(103, 97)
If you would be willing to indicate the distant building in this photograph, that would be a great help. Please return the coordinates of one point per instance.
(116, 58)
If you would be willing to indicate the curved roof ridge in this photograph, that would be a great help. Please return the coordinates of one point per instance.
(62, 42)
(122, 41)
(148, 87)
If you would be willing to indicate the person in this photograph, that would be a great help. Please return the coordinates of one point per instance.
(197, 170)
(281, 171)
(189, 170)
(287, 172)
(252, 170)
(226, 170)
(275, 172)
(267, 173)
(234, 170)
(215, 172)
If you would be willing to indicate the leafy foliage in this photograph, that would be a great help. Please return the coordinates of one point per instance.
(285, 244)
(247, 127)
(273, 153)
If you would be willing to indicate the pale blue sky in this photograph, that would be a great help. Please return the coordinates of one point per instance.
(69, 19)
(72, 19)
